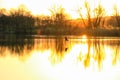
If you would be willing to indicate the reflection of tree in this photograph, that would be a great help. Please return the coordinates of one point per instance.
(59, 50)
(16, 45)
(87, 56)
(116, 54)
(87, 60)
(99, 54)
(96, 51)
(56, 45)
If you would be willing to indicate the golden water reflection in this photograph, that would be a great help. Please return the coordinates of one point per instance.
(57, 59)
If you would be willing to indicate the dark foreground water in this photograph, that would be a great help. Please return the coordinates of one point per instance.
(54, 58)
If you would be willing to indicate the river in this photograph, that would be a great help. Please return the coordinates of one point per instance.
(60, 58)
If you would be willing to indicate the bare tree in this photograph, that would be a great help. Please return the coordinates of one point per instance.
(116, 15)
(21, 20)
(87, 7)
(91, 22)
(81, 16)
(3, 12)
(20, 11)
(58, 14)
(88, 15)
(98, 20)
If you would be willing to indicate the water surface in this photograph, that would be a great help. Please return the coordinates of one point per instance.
(54, 58)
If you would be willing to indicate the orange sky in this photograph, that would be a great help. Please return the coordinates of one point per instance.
(42, 6)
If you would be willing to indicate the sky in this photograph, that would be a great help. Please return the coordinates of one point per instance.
(42, 6)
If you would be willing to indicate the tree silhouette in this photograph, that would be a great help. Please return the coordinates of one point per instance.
(17, 21)
(99, 12)
(116, 15)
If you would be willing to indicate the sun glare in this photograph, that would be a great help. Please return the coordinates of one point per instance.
(84, 36)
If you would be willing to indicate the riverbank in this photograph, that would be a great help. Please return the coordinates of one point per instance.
(75, 31)
(103, 32)
(98, 32)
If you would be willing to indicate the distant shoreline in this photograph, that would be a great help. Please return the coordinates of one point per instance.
(88, 32)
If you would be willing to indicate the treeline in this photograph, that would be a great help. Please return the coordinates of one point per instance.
(18, 21)
(21, 21)
(58, 23)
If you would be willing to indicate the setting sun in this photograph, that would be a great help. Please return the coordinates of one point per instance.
(42, 6)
